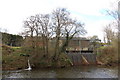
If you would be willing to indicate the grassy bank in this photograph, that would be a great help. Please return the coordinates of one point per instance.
(108, 55)
(13, 58)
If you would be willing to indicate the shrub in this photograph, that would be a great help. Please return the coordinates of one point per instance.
(108, 54)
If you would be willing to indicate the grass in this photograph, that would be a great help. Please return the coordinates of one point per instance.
(16, 48)
(11, 58)
(108, 54)
(15, 58)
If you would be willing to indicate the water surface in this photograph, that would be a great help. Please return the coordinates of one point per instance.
(71, 72)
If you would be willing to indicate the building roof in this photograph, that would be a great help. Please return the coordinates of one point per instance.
(76, 38)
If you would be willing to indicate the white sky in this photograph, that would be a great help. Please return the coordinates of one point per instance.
(91, 12)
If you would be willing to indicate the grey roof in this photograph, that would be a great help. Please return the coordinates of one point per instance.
(76, 38)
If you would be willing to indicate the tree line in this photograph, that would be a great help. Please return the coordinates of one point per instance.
(11, 40)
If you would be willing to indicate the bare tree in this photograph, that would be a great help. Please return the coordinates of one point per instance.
(44, 30)
(37, 28)
(29, 26)
(109, 33)
(71, 29)
(59, 16)
(112, 29)
(66, 27)
(29, 29)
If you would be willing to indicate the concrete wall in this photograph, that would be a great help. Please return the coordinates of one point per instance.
(77, 58)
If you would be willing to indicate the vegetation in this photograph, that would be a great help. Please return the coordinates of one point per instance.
(108, 54)
(41, 44)
(14, 58)
(11, 58)
(95, 43)
(45, 30)
(11, 40)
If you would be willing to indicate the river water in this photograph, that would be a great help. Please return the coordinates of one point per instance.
(71, 72)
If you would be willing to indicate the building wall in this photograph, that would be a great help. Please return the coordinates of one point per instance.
(84, 44)
(79, 44)
(75, 44)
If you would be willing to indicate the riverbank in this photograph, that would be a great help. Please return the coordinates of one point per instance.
(11, 59)
(21, 68)
(14, 59)
(21, 63)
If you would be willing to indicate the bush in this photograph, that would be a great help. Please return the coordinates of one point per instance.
(108, 54)
(23, 54)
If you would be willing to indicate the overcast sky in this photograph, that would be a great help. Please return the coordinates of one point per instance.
(90, 12)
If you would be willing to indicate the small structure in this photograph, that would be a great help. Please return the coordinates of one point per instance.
(77, 43)
(80, 52)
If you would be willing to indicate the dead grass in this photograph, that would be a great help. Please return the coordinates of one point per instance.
(11, 58)
(108, 54)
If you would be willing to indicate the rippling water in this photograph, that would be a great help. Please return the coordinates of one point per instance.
(72, 72)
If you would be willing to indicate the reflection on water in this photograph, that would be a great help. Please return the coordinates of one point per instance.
(72, 72)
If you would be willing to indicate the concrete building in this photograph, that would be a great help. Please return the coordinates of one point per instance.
(77, 43)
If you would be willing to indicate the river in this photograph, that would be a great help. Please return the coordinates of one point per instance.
(71, 72)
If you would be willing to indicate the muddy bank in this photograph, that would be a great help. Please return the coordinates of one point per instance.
(62, 66)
